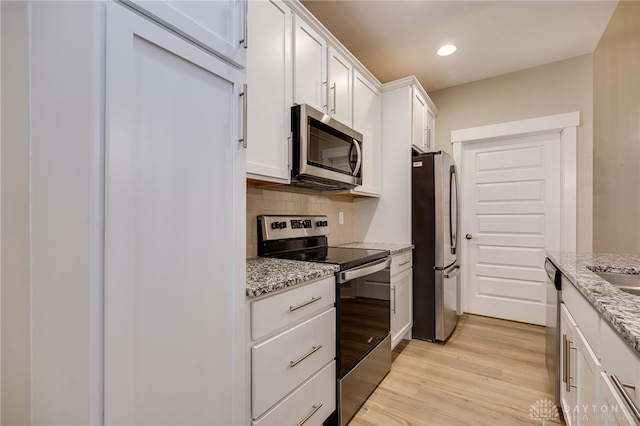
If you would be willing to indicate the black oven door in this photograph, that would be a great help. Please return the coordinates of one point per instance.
(363, 304)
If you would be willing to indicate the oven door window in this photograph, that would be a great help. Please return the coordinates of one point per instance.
(330, 149)
(364, 314)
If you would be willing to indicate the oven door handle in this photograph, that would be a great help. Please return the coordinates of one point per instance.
(352, 274)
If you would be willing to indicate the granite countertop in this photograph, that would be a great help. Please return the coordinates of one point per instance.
(393, 249)
(620, 309)
(266, 275)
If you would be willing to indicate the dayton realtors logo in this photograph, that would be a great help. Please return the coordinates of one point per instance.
(544, 410)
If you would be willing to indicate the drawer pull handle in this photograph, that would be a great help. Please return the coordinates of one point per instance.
(302, 305)
(620, 386)
(313, 350)
(404, 263)
(314, 409)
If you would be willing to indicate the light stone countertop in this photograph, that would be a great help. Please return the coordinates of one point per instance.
(393, 249)
(620, 309)
(266, 275)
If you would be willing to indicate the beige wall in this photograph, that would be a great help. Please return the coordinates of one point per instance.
(14, 240)
(555, 88)
(264, 201)
(616, 134)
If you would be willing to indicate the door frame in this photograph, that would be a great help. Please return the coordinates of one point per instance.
(566, 124)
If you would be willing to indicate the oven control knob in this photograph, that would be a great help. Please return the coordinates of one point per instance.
(325, 223)
(274, 225)
(282, 225)
(319, 224)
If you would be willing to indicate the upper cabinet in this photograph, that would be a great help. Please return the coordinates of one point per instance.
(423, 120)
(367, 119)
(323, 77)
(269, 86)
(309, 66)
(218, 26)
(340, 87)
(291, 60)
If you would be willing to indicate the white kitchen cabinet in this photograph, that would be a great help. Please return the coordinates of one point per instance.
(568, 367)
(340, 79)
(137, 186)
(270, 87)
(367, 119)
(174, 230)
(620, 363)
(580, 371)
(293, 349)
(588, 382)
(309, 66)
(616, 411)
(401, 297)
(423, 120)
(219, 26)
(389, 218)
(322, 76)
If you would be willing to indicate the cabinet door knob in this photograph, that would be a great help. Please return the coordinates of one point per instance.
(468, 236)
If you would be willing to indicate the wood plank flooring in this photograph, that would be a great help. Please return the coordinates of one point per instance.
(490, 372)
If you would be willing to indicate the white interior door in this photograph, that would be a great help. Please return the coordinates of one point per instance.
(511, 216)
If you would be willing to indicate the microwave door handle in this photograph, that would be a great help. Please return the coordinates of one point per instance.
(356, 169)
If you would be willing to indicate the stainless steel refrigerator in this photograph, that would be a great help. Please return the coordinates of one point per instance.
(434, 230)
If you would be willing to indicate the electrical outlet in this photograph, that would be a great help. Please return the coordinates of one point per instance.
(341, 218)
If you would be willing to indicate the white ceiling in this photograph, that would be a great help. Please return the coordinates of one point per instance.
(395, 39)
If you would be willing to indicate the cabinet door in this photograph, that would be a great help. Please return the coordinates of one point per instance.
(401, 314)
(174, 240)
(431, 130)
(589, 369)
(568, 367)
(616, 410)
(309, 66)
(367, 114)
(340, 89)
(219, 26)
(270, 86)
(419, 125)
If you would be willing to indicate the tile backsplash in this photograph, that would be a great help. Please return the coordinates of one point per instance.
(265, 201)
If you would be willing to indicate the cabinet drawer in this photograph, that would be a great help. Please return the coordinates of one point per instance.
(317, 396)
(583, 313)
(283, 362)
(274, 312)
(616, 410)
(619, 359)
(401, 262)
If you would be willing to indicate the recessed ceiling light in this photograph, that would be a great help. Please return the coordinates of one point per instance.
(447, 50)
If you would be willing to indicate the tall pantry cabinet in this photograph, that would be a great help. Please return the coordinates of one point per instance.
(161, 307)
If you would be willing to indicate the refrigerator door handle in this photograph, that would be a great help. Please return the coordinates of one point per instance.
(452, 272)
(453, 209)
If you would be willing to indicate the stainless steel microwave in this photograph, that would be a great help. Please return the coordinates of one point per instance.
(326, 154)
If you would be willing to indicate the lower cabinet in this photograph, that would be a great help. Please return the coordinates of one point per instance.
(401, 297)
(580, 372)
(293, 368)
(620, 382)
(599, 372)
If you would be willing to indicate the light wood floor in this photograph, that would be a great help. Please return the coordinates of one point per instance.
(490, 372)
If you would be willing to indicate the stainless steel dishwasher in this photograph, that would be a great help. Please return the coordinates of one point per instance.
(552, 344)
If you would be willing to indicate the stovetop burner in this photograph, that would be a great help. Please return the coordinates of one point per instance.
(305, 238)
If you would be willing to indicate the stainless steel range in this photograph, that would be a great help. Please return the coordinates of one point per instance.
(363, 353)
